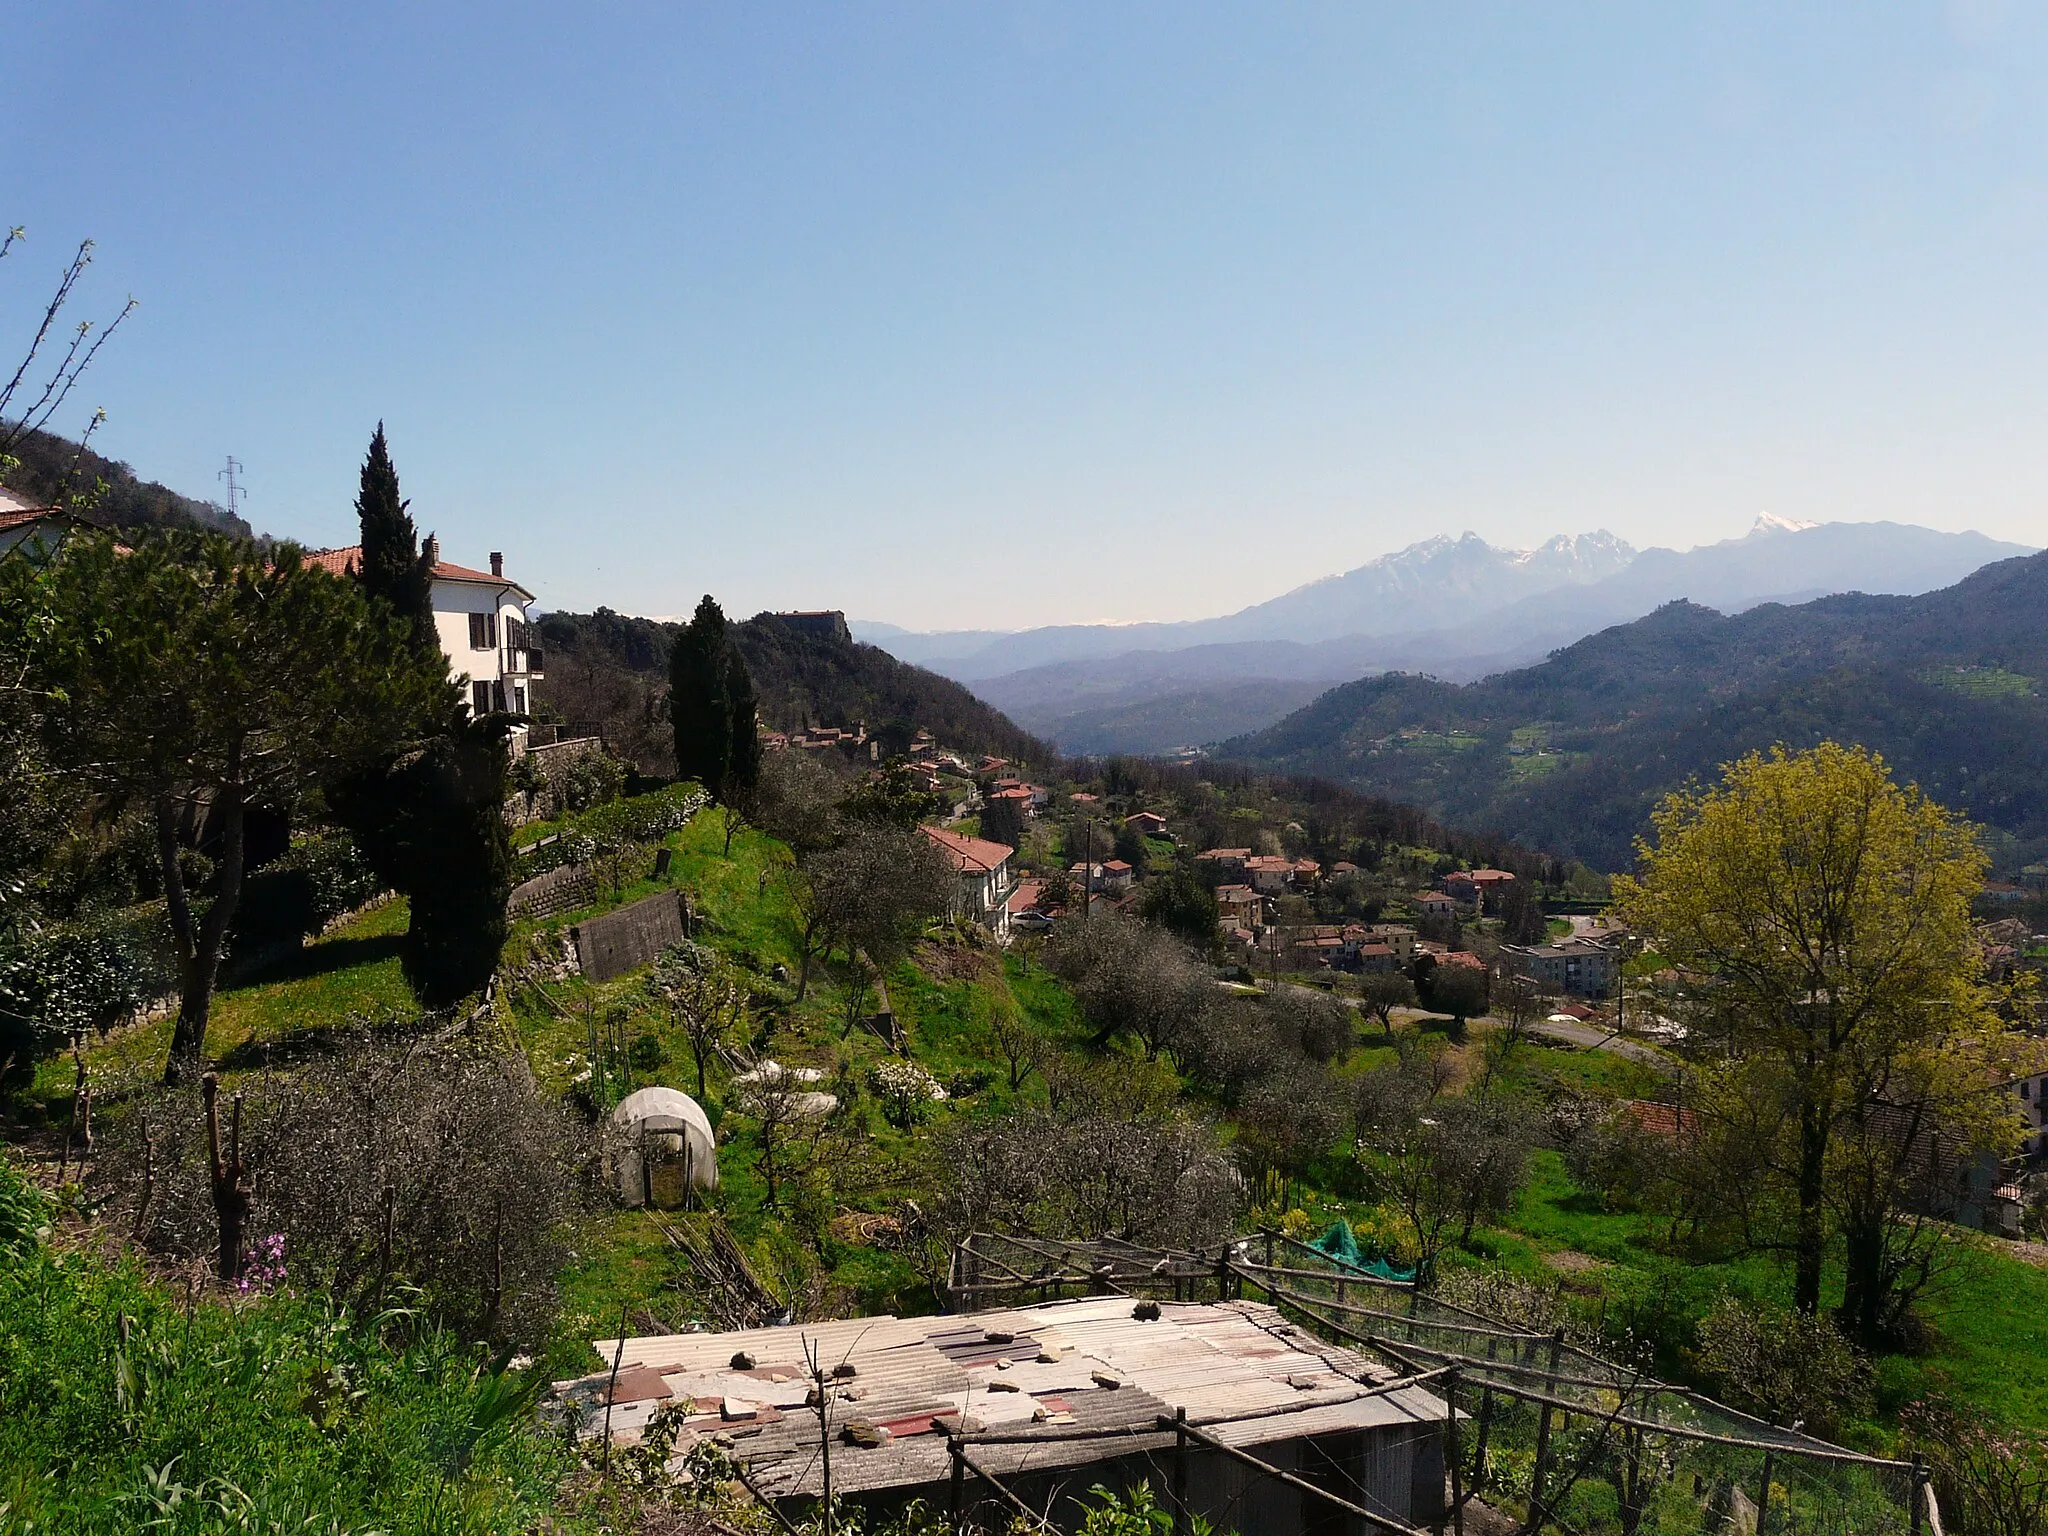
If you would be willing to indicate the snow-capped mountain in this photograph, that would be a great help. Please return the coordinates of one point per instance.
(1438, 582)
(1454, 606)
(1415, 588)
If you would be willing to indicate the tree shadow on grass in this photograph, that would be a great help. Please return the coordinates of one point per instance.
(312, 960)
(314, 1041)
(1582, 1203)
(1443, 1026)
(291, 1049)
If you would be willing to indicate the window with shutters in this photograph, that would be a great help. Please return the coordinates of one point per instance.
(480, 698)
(479, 632)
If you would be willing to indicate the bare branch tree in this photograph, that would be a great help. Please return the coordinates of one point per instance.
(703, 998)
(33, 415)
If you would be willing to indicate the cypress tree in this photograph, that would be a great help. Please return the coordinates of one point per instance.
(392, 566)
(700, 705)
(743, 750)
(432, 825)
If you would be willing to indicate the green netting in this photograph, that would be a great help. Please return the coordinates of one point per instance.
(1338, 1243)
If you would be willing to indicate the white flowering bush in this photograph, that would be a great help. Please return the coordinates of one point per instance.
(906, 1092)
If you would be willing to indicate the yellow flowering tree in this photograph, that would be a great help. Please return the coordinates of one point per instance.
(1820, 915)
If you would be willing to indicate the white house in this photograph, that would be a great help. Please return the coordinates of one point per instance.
(483, 618)
(26, 525)
(981, 878)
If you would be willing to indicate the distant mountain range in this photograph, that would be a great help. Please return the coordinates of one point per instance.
(1454, 608)
(1399, 592)
(1571, 754)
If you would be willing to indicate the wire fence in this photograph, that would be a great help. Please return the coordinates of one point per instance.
(1544, 1430)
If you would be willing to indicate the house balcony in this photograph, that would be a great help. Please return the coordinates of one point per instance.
(522, 661)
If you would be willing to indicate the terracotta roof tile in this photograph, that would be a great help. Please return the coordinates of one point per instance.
(968, 854)
(340, 561)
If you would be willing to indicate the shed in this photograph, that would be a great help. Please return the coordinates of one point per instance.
(1053, 1400)
(665, 1147)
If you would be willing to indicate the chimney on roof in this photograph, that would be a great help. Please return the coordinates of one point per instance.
(431, 551)
(498, 563)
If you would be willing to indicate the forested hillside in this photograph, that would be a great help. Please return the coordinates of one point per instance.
(612, 669)
(49, 462)
(1571, 754)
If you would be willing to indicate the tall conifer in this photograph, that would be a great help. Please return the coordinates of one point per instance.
(392, 565)
(700, 697)
(743, 751)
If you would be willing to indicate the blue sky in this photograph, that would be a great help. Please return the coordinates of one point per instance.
(1021, 313)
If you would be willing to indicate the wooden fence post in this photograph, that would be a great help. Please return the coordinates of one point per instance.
(1540, 1473)
(1181, 1522)
(1479, 1450)
(1632, 1485)
(1763, 1495)
(1454, 1443)
(957, 1494)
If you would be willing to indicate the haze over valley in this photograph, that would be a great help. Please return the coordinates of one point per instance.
(1455, 608)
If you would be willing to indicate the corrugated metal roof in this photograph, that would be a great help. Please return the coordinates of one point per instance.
(1024, 1383)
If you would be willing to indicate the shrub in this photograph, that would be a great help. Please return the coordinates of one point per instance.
(906, 1092)
(641, 819)
(1783, 1366)
(589, 779)
(75, 978)
(301, 893)
(1133, 1512)
(483, 1173)
(1987, 1478)
(1089, 1170)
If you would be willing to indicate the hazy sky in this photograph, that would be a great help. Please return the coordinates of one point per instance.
(1008, 314)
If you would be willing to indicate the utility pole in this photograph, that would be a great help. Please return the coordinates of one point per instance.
(235, 491)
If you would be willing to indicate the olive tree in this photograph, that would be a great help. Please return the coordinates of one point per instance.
(1444, 1160)
(703, 996)
(1381, 992)
(872, 894)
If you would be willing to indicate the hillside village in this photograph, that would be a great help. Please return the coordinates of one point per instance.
(737, 1084)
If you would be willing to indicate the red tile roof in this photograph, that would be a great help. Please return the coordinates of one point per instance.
(970, 855)
(341, 561)
(1660, 1119)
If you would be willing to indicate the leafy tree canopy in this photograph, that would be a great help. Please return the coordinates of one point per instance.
(1824, 914)
(191, 678)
